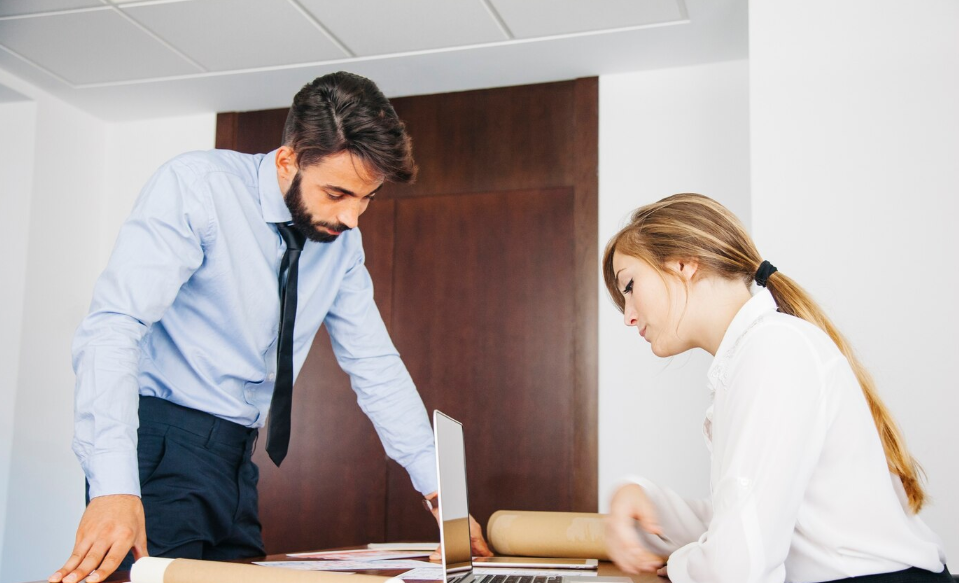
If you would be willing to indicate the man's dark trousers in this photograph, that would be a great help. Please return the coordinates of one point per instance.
(197, 483)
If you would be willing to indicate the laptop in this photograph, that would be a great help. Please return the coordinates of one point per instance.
(455, 548)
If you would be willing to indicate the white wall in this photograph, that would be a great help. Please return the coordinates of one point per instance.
(661, 133)
(45, 485)
(855, 194)
(86, 174)
(135, 151)
(16, 176)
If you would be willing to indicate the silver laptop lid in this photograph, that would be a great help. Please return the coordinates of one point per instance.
(454, 508)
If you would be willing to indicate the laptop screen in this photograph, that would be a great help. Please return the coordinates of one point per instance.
(454, 510)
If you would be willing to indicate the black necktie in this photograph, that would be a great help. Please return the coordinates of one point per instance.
(278, 436)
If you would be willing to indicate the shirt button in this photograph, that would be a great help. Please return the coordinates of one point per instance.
(270, 377)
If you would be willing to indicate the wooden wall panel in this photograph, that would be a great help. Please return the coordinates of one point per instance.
(253, 132)
(226, 130)
(585, 172)
(483, 314)
(511, 138)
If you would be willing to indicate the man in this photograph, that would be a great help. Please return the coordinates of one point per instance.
(190, 342)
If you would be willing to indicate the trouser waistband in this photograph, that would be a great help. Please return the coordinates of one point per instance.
(199, 423)
(911, 575)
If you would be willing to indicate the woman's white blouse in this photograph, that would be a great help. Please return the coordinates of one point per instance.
(800, 489)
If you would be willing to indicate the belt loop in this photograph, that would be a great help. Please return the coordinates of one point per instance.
(213, 431)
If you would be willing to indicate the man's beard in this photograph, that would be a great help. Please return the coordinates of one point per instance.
(301, 217)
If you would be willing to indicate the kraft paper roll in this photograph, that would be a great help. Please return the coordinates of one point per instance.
(572, 535)
(157, 570)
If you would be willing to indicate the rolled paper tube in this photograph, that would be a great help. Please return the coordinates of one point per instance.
(572, 535)
(157, 570)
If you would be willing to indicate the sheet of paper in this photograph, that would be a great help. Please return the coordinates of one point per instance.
(431, 573)
(362, 555)
(298, 566)
(428, 546)
(344, 565)
(435, 573)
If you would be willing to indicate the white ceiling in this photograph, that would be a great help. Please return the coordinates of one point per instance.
(127, 59)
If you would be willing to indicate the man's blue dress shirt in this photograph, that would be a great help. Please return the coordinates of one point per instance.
(188, 310)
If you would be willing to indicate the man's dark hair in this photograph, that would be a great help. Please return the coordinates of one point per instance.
(342, 111)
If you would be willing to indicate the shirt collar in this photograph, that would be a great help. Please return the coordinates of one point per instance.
(272, 203)
(758, 306)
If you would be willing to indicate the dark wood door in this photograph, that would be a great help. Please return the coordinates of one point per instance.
(485, 273)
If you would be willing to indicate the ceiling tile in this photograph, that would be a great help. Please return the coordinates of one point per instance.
(224, 35)
(91, 47)
(389, 26)
(17, 7)
(538, 18)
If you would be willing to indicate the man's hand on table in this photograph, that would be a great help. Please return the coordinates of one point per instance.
(477, 542)
(629, 506)
(110, 527)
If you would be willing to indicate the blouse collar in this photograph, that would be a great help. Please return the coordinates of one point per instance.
(758, 306)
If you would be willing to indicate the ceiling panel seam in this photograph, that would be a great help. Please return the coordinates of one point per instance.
(55, 13)
(137, 4)
(313, 19)
(498, 18)
(158, 38)
(38, 66)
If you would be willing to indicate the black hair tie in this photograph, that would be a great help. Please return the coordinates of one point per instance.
(765, 270)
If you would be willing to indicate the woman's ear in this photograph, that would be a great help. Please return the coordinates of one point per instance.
(686, 268)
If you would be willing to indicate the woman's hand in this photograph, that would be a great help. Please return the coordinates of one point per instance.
(478, 545)
(629, 506)
(477, 542)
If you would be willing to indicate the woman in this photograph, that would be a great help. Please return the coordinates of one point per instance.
(810, 478)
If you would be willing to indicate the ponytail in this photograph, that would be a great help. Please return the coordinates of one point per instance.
(793, 300)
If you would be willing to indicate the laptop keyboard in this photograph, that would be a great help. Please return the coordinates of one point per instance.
(517, 579)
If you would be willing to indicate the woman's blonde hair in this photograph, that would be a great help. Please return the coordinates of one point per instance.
(693, 226)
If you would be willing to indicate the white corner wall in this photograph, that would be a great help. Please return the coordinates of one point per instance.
(855, 194)
(18, 121)
(85, 177)
(660, 133)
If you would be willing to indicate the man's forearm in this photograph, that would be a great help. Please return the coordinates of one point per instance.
(106, 361)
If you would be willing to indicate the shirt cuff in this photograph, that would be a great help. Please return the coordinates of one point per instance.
(658, 544)
(423, 472)
(676, 567)
(113, 473)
